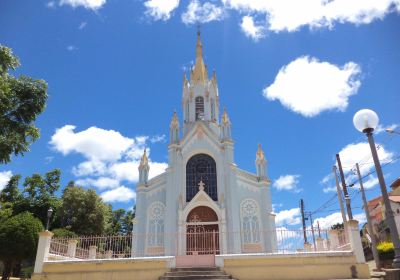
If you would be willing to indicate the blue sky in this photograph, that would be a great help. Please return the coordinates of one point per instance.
(290, 73)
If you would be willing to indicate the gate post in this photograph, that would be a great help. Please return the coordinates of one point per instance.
(43, 249)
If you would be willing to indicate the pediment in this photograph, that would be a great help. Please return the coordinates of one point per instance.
(201, 199)
(200, 134)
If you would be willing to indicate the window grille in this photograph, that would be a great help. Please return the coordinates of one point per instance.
(201, 167)
(199, 108)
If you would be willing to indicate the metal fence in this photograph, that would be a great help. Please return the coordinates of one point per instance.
(281, 241)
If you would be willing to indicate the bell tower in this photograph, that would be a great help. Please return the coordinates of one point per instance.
(200, 99)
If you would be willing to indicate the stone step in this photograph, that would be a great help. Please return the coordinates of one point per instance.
(195, 277)
(194, 272)
(200, 268)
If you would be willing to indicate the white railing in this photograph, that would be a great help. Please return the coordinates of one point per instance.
(282, 241)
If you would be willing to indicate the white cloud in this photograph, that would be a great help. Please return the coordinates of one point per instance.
(71, 48)
(371, 182)
(251, 29)
(110, 158)
(287, 182)
(94, 143)
(160, 9)
(4, 178)
(358, 153)
(82, 25)
(101, 183)
(335, 218)
(120, 194)
(308, 86)
(288, 217)
(361, 153)
(158, 138)
(88, 4)
(328, 221)
(289, 15)
(198, 13)
(91, 167)
(51, 4)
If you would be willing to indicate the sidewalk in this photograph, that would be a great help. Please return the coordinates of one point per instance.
(375, 274)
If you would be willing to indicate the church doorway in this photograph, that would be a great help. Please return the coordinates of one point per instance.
(202, 232)
(202, 238)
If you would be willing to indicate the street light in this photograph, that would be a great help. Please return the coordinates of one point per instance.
(49, 213)
(366, 121)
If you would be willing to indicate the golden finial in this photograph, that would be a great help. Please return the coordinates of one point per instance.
(174, 121)
(214, 77)
(144, 160)
(184, 79)
(225, 118)
(260, 152)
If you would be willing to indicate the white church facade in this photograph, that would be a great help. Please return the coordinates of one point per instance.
(203, 203)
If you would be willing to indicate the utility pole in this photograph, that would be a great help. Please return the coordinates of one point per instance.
(312, 231)
(319, 230)
(339, 193)
(346, 194)
(303, 219)
(373, 239)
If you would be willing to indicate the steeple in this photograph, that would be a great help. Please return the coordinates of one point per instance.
(199, 70)
(144, 169)
(261, 163)
(200, 101)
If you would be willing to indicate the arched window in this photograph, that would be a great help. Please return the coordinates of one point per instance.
(156, 225)
(201, 167)
(199, 108)
(250, 221)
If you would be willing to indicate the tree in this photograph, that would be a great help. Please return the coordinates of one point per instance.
(40, 194)
(21, 101)
(121, 222)
(18, 240)
(83, 211)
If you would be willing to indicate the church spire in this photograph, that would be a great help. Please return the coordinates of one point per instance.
(200, 70)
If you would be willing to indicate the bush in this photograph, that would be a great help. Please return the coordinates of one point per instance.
(63, 233)
(386, 251)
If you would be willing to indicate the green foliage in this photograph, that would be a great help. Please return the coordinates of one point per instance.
(39, 194)
(18, 239)
(62, 232)
(385, 250)
(21, 101)
(338, 226)
(83, 211)
(121, 222)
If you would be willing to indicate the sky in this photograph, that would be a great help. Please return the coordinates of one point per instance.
(291, 74)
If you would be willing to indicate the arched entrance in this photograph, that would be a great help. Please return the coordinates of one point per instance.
(202, 232)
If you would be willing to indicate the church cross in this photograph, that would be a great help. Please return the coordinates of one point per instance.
(201, 185)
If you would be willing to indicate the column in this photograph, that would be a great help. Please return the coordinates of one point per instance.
(355, 240)
(42, 250)
(71, 251)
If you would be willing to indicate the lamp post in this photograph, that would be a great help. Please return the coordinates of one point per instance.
(366, 121)
(49, 213)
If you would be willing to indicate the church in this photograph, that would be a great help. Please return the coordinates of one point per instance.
(203, 204)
